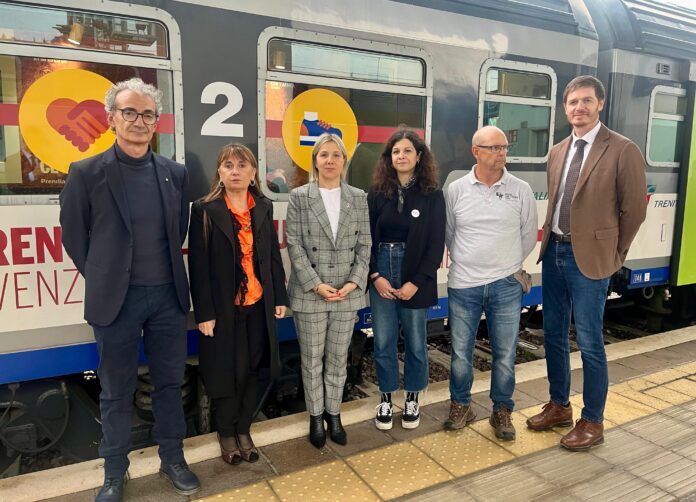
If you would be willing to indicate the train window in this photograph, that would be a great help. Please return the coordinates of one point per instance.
(666, 126)
(519, 98)
(377, 114)
(516, 83)
(340, 62)
(81, 30)
(357, 93)
(52, 112)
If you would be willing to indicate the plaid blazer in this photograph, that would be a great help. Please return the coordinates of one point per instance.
(317, 259)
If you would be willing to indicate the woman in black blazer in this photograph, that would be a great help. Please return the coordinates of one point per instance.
(238, 291)
(407, 220)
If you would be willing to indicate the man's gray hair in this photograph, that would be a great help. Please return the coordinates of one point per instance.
(135, 85)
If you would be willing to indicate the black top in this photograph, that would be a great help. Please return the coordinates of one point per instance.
(151, 265)
(425, 243)
(393, 226)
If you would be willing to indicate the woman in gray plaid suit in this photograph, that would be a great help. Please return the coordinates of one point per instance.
(328, 236)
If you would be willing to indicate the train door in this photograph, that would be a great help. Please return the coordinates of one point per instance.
(55, 67)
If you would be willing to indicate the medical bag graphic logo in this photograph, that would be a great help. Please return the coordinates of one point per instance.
(62, 117)
(312, 128)
(311, 114)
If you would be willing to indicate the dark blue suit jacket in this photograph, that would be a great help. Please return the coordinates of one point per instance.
(96, 229)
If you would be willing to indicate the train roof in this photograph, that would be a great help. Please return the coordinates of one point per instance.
(564, 16)
(651, 26)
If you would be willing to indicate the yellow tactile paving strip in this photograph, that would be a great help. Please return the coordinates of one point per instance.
(403, 468)
(331, 481)
(462, 452)
(399, 469)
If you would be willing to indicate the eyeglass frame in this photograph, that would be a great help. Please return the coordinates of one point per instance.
(495, 148)
(137, 114)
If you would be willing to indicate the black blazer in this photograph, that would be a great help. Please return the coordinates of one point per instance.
(213, 269)
(424, 247)
(96, 230)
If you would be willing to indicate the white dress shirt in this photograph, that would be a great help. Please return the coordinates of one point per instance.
(589, 138)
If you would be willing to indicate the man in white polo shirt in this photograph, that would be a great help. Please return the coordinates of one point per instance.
(491, 228)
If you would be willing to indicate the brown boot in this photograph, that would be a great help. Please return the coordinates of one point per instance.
(584, 436)
(459, 416)
(501, 421)
(552, 415)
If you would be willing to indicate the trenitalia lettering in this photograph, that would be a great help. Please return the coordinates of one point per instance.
(27, 245)
(25, 287)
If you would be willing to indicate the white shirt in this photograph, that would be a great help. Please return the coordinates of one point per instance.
(490, 230)
(590, 137)
(332, 204)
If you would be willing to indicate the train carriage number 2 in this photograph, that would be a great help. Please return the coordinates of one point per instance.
(215, 125)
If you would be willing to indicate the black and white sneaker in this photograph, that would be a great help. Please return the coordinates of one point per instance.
(383, 416)
(410, 419)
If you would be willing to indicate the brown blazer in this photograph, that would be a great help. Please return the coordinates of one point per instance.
(608, 205)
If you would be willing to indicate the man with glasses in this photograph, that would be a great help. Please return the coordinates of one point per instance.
(124, 218)
(491, 228)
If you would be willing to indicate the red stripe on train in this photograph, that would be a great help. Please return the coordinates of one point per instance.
(366, 134)
(9, 116)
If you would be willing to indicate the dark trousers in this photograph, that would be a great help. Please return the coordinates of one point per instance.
(234, 412)
(155, 312)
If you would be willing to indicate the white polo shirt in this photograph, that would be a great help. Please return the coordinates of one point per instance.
(490, 230)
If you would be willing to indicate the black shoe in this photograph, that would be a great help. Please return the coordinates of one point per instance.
(336, 430)
(317, 434)
(180, 476)
(112, 489)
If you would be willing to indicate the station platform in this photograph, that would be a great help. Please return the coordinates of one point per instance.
(649, 451)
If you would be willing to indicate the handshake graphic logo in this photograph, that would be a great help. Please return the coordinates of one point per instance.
(80, 123)
(312, 128)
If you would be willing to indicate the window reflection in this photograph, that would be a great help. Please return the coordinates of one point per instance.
(81, 30)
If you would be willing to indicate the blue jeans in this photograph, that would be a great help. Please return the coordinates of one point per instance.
(386, 316)
(565, 288)
(501, 301)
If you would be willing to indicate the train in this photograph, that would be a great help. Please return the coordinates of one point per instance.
(271, 73)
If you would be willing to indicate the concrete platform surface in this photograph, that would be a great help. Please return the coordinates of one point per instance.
(651, 377)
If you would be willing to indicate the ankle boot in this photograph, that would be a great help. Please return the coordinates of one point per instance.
(336, 430)
(317, 434)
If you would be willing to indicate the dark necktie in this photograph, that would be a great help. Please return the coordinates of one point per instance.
(571, 181)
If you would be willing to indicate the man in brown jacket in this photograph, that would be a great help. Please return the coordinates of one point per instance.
(596, 182)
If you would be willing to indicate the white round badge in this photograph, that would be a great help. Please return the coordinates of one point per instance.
(415, 213)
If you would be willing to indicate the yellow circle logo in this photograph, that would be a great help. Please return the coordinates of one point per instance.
(62, 117)
(312, 114)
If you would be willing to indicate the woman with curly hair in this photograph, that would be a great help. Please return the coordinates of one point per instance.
(407, 220)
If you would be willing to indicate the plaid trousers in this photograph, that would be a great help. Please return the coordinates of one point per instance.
(324, 340)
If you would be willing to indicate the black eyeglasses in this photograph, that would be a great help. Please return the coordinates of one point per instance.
(495, 148)
(130, 115)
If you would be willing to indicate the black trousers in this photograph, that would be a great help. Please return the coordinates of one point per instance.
(234, 412)
(154, 312)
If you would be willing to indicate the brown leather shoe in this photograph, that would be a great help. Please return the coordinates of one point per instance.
(584, 436)
(233, 456)
(248, 452)
(552, 415)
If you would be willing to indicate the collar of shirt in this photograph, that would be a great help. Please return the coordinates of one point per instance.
(474, 180)
(250, 204)
(589, 137)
